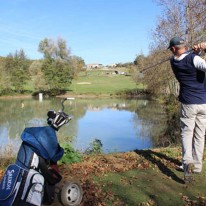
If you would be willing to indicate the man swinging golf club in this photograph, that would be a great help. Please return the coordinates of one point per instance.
(189, 69)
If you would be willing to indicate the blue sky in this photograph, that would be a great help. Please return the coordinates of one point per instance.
(99, 31)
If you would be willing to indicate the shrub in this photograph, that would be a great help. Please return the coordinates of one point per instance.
(95, 147)
(70, 155)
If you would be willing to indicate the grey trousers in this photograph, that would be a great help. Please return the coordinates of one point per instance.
(193, 125)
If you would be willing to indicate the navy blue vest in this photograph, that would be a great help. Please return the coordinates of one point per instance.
(192, 90)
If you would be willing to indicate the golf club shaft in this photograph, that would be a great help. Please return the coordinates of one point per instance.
(165, 60)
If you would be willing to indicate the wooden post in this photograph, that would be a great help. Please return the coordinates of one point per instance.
(40, 97)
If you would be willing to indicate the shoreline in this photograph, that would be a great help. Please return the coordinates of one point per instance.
(86, 95)
(15, 96)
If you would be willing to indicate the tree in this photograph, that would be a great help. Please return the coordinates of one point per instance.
(16, 70)
(37, 75)
(139, 64)
(77, 63)
(139, 60)
(54, 49)
(184, 18)
(57, 73)
(4, 80)
(57, 67)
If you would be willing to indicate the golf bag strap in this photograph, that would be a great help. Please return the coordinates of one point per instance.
(30, 160)
(22, 162)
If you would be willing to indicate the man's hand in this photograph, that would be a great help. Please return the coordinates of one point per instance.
(199, 47)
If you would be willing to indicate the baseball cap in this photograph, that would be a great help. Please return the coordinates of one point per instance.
(176, 41)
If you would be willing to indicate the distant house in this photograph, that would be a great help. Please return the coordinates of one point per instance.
(94, 66)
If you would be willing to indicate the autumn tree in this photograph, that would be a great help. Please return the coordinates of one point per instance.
(77, 63)
(184, 18)
(137, 76)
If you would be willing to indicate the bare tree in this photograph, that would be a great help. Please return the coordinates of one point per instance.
(52, 49)
(184, 18)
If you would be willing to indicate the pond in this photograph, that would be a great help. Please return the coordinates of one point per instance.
(120, 124)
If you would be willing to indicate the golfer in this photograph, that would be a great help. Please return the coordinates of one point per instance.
(189, 69)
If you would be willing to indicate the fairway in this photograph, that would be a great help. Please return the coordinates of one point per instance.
(102, 82)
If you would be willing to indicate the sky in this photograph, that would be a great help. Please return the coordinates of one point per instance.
(99, 31)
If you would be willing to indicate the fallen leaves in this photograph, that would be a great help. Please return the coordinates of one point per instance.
(100, 165)
(189, 202)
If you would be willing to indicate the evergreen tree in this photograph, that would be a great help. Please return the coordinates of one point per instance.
(16, 70)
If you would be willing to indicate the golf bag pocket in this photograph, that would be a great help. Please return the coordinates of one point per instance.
(21, 187)
(33, 189)
(10, 184)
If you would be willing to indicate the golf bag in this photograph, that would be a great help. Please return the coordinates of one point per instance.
(24, 182)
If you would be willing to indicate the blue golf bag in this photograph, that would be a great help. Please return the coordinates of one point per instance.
(23, 183)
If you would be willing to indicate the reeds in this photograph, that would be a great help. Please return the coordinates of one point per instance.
(7, 155)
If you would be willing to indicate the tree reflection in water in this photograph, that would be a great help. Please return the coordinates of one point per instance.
(120, 124)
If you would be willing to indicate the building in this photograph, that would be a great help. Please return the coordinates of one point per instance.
(94, 66)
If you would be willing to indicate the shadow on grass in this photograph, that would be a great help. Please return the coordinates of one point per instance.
(150, 156)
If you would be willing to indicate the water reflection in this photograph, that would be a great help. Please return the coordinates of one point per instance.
(120, 124)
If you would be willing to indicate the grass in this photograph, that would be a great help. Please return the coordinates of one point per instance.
(152, 186)
(102, 82)
(98, 82)
(156, 183)
(138, 178)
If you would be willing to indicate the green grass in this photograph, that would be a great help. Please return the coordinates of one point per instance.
(158, 184)
(143, 186)
(98, 82)
(102, 82)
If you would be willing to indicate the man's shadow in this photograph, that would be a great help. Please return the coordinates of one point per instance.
(149, 155)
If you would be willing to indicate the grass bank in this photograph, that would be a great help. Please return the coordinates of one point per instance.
(138, 178)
